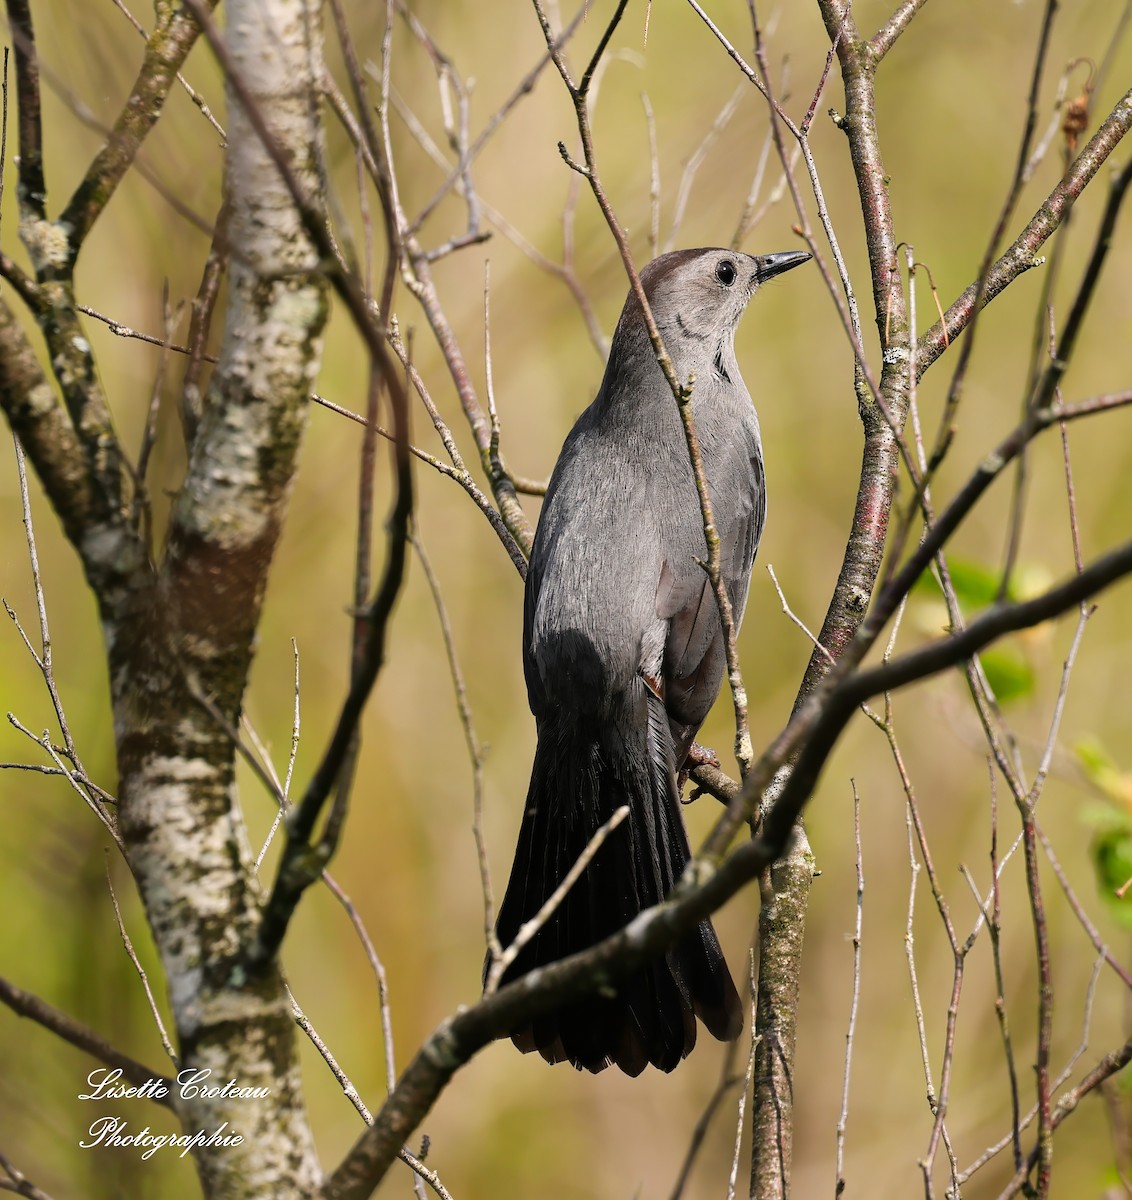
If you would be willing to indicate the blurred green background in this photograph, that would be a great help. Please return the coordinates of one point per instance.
(951, 104)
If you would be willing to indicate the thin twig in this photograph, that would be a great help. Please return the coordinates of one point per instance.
(18, 1182)
(141, 514)
(843, 1118)
(190, 91)
(283, 790)
(1025, 1122)
(531, 927)
(43, 660)
(348, 1089)
(96, 801)
(748, 1078)
(910, 957)
(789, 612)
(165, 1041)
(475, 749)
(654, 177)
(200, 326)
(378, 968)
(994, 924)
(728, 1082)
(351, 1093)
(1074, 901)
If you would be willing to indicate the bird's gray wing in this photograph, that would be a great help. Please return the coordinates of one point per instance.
(694, 652)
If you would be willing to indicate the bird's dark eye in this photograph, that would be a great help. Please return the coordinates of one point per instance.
(725, 272)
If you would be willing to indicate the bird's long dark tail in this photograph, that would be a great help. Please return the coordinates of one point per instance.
(583, 772)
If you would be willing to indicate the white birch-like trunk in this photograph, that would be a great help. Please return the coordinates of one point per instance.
(189, 631)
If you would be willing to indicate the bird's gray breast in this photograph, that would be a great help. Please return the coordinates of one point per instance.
(592, 579)
(619, 543)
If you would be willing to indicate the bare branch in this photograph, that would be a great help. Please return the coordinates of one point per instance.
(1021, 255)
(166, 50)
(24, 1004)
(32, 187)
(885, 37)
(1108, 1066)
(189, 90)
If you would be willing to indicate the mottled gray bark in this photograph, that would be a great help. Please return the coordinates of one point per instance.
(180, 819)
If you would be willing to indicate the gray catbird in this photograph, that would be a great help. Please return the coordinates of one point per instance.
(623, 656)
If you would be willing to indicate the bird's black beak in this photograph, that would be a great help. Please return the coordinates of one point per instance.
(770, 265)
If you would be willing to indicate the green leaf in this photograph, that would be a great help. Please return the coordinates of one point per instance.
(1093, 757)
(1104, 774)
(1111, 823)
(1112, 857)
(975, 586)
(1008, 672)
